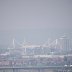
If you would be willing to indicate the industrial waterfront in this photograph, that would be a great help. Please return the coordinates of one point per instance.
(55, 56)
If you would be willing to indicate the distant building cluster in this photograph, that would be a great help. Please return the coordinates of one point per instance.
(56, 53)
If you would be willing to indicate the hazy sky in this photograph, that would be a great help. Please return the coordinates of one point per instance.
(34, 20)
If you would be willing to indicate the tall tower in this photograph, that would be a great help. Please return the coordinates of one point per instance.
(65, 44)
(13, 43)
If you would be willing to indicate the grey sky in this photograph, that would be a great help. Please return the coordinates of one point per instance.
(34, 20)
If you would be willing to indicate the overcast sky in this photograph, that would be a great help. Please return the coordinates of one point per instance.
(34, 20)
